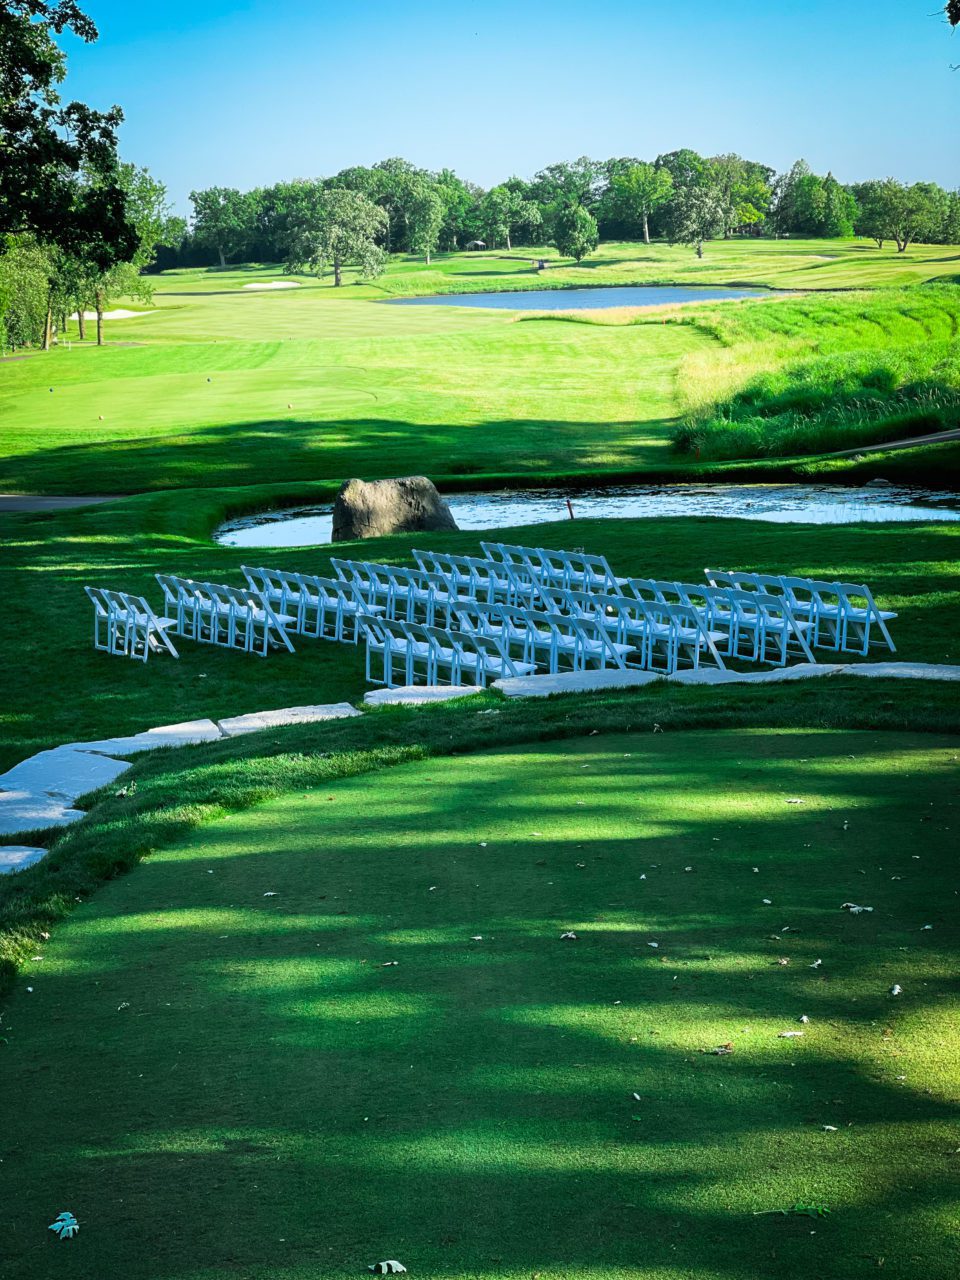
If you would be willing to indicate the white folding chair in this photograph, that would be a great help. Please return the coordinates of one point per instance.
(126, 625)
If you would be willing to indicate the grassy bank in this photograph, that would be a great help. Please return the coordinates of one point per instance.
(400, 1058)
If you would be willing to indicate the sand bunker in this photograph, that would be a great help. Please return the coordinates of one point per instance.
(274, 284)
(120, 314)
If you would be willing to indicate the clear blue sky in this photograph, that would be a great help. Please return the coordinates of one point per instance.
(244, 94)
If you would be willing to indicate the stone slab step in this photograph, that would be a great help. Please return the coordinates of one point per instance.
(572, 682)
(21, 811)
(418, 695)
(257, 720)
(167, 735)
(63, 773)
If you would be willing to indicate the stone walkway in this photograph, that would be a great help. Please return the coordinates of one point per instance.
(589, 681)
(41, 791)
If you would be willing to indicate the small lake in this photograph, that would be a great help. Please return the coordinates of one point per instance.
(652, 295)
(777, 504)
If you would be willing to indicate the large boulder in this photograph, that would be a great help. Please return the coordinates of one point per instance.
(370, 509)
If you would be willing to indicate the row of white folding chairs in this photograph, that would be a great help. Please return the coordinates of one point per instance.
(499, 639)
(661, 638)
(126, 625)
(837, 614)
(322, 608)
(665, 635)
(399, 651)
(574, 569)
(755, 626)
(214, 613)
(840, 614)
(478, 579)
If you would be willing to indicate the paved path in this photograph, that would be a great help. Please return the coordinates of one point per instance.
(937, 437)
(38, 502)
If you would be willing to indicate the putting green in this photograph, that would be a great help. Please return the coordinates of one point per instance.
(344, 1027)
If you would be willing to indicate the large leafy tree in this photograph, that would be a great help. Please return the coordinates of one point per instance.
(891, 210)
(337, 227)
(635, 193)
(45, 143)
(575, 232)
(223, 220)
(577, 182)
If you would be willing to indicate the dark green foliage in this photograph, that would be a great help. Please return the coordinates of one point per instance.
(46, 143)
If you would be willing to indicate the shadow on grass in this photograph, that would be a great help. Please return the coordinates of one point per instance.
(292, 1103)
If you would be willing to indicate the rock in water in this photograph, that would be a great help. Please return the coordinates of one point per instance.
(371, 509)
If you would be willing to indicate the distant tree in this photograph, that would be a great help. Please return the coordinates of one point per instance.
(575, 232)
(915, 212)
(44, 144)
(222, 220)
(744, 187)
(786, 189)
(495, 216)
(460, 201)
(425, 217)
(148, 211)
(637, 192)
(874, 204)
(699, 216)
(577, 182)
(337, 228)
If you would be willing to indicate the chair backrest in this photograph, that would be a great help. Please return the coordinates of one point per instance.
(644, 589)
(727, 578)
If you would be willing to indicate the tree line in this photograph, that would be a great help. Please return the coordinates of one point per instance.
(361, 214)
(79, 227)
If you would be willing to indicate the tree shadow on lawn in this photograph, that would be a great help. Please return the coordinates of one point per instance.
(293, 450)
(256, 1091)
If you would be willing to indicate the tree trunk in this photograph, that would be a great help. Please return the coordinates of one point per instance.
(223, 261)
(646, 228)
(902, 245)
(81, 319)
(699, 248)
(509, 245)
(48, 328)
(98, 302)
(337, 273)
(427, 256)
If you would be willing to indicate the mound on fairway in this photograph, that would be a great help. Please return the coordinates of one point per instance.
(344, 1027)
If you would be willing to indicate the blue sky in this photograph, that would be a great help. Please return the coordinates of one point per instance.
(244, 94)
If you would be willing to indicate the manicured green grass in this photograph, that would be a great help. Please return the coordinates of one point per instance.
(318, 383)
(253, 1090)
(45, 561)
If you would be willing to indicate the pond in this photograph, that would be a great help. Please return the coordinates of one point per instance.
(653, 295)
(778, 504)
